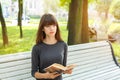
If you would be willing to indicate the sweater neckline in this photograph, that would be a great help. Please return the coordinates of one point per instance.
(50, 44)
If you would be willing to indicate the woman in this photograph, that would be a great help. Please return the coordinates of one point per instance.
(49, 49)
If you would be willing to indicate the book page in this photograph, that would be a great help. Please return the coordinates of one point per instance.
(71, 66)
(58, 68)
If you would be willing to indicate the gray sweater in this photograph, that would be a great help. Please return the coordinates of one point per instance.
(43, 55)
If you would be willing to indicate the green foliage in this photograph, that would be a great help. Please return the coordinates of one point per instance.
(91, 1)
(114, 28)
(115, 9)
(63, 2)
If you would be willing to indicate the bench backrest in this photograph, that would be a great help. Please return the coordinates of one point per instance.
(87, 57)
(90, 58)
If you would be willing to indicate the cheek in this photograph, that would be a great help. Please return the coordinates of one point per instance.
(45, 31)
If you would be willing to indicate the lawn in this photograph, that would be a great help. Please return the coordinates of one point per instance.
(25, 44)
(15, 43)
(116, 49)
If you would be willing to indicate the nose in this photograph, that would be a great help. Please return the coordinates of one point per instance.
(52, 27)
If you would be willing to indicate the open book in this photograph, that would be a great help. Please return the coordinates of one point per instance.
(58, 68)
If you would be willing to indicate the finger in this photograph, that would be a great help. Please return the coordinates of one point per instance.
(70, 69)
(54, 73)
(69, 72)
(57, 75)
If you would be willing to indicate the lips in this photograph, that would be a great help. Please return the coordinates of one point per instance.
(51, 32)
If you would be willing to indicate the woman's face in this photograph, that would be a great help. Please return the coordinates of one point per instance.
(50, 30)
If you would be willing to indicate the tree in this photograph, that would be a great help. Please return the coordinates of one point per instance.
(4, 29)
(85, 32)
(75, 22)
(20, 4)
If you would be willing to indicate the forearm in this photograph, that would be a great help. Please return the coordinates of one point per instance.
(47, 75)
(39, 75)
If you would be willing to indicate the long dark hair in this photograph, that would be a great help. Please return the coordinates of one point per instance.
(47, 19)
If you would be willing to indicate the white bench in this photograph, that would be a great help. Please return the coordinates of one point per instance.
(95, 61)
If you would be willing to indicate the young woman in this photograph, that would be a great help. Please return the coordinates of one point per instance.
(49, 49)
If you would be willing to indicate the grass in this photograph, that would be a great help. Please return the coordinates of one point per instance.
(15, 43)
(116, 49)
(25, 44)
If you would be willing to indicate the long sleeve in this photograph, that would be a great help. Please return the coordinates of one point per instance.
(65, 55)
(35, 61)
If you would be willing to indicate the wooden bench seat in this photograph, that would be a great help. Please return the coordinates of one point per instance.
(95, 61)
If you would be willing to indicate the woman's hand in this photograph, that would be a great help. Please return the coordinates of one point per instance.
(51, 75)
(68, 71)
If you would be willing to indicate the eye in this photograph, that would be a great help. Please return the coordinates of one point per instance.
(54, 25)
(47, 26)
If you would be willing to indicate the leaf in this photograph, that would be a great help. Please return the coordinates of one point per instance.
(62, 2)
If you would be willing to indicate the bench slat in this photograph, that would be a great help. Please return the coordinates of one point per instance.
(80, 52)
(15, 68)
(14, 63)
(89, 54)
(82, 75)
(31, 78)
(109, 76)
(103, 75)
(20, 77)
(87, 45)
(92, 69)
(15, 73)
(83, 61)
(99, 73)
(117, 77)
(14, 57)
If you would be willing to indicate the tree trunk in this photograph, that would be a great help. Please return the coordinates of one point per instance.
(75, 22)
(106, 14)
(4, 29)
(85, 32)
(20, 4)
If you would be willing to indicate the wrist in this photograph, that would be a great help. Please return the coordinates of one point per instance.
(41, 75)
(46, 76)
